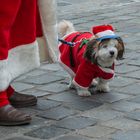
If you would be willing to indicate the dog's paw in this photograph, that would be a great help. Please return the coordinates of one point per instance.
(83, 93)
(103, 88)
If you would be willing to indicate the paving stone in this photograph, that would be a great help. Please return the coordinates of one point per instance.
(54, 87)
(125, 69)
(129, 135)
(61, 73)
(96, 131)
(19, 138)
(84, 105)
(125, 106)
(47, 132)
(135, 115)
(14, 130)
(134, 62)
(120, 82)
(67, 96)
(110, 97)
(136, 99)
(135, 75)
(42, 79)
(52, 67)
(77, 137)
(57, 113)
(122, 124)
(132, 89)
(43, 104)
(36, 92)
(35, 72)
(71, 123)
(103, 113)
(21, 86)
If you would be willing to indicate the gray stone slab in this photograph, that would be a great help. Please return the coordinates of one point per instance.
(6, 131)
(42, 79)
(84, 105)
(67, 96)
(103, 113)
(35, 72)
(125, 106)
(43, 104)
(77, 137)
(129, 135)
(57, 113)
(135, 115)
(96, 131)
(110, 97)
(51, 67)
(21, 86)
(136, 99)
(76, 122)
(122, 124)
(61, 73)
(122, 69)
(54, 87)
(19, 138)
(120, 82)
(47, 132)
(135, 75)
(132, 89)
(134, 62)
(36, 92)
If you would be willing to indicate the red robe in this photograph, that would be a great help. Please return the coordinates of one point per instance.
(19, 53)
(84, 71)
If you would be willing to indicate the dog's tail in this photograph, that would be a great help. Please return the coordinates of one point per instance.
(65, 27)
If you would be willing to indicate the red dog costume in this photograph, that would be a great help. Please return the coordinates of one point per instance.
(84, 71)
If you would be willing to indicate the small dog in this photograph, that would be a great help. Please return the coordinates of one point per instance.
(86, 56)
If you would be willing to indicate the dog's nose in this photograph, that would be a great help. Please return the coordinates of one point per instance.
(111, 53)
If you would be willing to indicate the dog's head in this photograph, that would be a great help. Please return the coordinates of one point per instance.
(104, 52)
(104, 47)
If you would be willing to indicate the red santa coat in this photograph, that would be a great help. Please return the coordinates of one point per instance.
(19, 26)
(84, 71)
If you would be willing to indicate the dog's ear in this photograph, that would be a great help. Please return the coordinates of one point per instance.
(90, 49)
(120, 48)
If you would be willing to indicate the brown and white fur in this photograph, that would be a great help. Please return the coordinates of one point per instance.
(106, 54)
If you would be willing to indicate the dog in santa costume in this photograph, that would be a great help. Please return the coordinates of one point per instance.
(87, 56)
(20, 23)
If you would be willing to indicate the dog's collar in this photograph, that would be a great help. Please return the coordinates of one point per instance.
(107, 37)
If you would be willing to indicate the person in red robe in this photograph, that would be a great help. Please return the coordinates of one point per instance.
(20, 24)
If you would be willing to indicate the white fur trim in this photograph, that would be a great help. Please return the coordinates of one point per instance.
(107, 70)
(105, 33)
(76, 84)
(47, 10)
(20, 60)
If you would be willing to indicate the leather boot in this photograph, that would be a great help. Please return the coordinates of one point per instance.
(19, 100)
(9, 116)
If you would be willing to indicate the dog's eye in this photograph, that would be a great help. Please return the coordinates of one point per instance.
(104, 46)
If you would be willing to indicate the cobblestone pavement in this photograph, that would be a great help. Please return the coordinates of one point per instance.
(61, 114)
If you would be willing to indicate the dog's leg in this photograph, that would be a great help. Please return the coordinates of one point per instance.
(103, 86)
(82, 92)
(71, 85)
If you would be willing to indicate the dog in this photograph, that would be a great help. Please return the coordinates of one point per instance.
(89, 55)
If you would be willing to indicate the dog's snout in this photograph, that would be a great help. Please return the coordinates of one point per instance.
(111, 53)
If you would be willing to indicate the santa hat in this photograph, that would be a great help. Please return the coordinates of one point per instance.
(104, 32)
